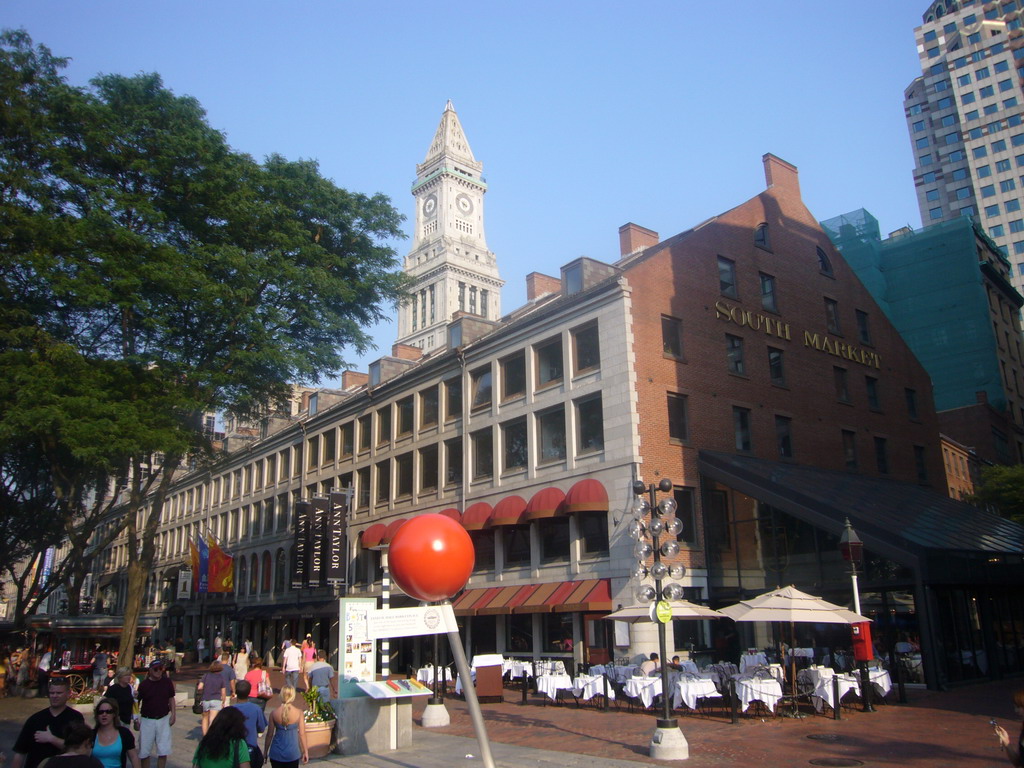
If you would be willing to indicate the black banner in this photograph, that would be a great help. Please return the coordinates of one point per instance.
(336, 544)
(318, 531)
(303, 539)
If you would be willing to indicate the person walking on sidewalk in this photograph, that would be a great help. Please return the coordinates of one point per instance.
(224, 745)
(114, 745)
(285, 743)
(213, 690)
(122, 692)
(42, 736)
(291, 665)
(255, 722)
(156, 707)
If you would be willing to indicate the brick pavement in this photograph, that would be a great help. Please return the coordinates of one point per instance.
(934, 729)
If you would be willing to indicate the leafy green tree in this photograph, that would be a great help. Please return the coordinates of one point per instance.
(1002, 487)
(151, 274)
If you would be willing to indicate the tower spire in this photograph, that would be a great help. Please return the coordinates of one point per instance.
(449, 141)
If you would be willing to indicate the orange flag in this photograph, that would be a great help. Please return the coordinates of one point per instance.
(222, 569)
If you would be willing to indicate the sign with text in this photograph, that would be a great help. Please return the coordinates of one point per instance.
(320, 547)
(409, 622)
(357, 651)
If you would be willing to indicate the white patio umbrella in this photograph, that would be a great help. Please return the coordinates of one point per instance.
(792, 605)
(681, 609)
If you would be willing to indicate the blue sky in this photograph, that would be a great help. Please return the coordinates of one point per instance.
(586, 115)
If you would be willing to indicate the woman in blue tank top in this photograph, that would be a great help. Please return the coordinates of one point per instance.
(285, 742)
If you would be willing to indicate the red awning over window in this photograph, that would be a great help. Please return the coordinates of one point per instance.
(509, 511)
(464, 604)
(371, 536)
(549, 502)
(453, 513)
(587, 496)
(557, 597)
(477, 517)
(392, 529)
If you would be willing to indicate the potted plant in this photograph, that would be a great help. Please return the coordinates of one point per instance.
(320, 720)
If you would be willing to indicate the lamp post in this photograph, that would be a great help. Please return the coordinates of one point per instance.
(668, 741)
(852, 549)
(385, 604)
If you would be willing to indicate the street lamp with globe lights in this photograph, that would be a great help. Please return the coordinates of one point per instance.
(668, 741)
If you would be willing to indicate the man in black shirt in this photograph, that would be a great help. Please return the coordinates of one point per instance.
(42, 736)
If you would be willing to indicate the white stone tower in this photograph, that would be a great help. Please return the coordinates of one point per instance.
(449, 260)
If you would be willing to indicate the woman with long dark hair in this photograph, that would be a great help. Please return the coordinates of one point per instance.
(223, 745)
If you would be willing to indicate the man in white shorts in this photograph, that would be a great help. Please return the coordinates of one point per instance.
(156, 707)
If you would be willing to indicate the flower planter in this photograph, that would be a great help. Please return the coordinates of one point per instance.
(320, 738)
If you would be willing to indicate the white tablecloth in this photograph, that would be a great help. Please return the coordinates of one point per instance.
(767, 691)
(550, 667)
(550, 685)
(587, 687)
(458, 680)
(751, 660)
(689, 689)
(823, 689)
(516, 667)
(426, 674)
(643, 688)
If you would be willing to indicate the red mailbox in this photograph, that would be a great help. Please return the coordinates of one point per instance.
(863, 650)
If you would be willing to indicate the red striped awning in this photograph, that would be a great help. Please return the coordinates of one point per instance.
(372, 536)
(509, 511)
(552, 597)
(477, 517)
(453, 513)
(548, 502)
(587, 495)
(464, 604)
(392, 529)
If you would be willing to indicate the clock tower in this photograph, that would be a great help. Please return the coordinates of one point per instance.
(449, 262)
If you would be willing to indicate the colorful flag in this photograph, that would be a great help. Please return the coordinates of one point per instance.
(222, 569)
(204, 565)
(194, 561)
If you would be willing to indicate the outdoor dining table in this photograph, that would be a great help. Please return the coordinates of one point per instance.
(516, 667)
(643, 688)
(550, 685)
(550, 667)
(766, 690)
(587, 687)
(689, 688)
(823, 691)
(426, 674)
(752, 660)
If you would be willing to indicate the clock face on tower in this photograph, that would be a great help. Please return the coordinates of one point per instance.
(464, 204)
(430, 206)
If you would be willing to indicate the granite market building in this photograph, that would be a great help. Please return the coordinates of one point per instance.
(741, 358)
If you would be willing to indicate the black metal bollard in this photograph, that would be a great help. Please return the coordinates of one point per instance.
(733, 702)
(865, 687)
(835, 699)
(604, 682)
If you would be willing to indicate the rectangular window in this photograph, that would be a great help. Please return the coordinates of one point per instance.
(590, 425)
(453, 461)
(517, 545)
(784, 436)
(989, 190)
(586, 349)
(920, 143)
(513, 376)
(685, 514)
(871, 385)
(365, 432)
(1007, 185)
(734, 353)
(403, 475)
(741, 428)
(768, 293)
(480, 381)
(882, 455)
(428, 408)
(383, 482)
(850, 449)
(863, 327)
(986, 92)
(362, 487)
(593, 528)
(727, 277)
(672, 337)
(312, 453)
(842, 383)
(549, 362)
(934, 213)
(931, 195)
(832, 317)
(999, 145)
(776, 371)
(678, 428)
(992, 210)
(405, 410)
(554, 539)
(551, 435)
(347, 439)
(483, 454)
(911, 397)
(514, 446)
(428, 468)
(384, 425)
(453, 398)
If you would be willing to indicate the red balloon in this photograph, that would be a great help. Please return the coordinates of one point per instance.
(431, 557)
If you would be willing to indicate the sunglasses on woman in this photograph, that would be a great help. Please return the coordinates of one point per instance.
(104, 711)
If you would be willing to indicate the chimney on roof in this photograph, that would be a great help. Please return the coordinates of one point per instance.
(779, 174)
(633, 238)
(354, 379)
(538, 285)
(406, 352)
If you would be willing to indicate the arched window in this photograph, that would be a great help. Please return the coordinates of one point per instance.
(254, 574)
(240, 576)
(268, 571)
(279, 572)
(761, 237)
(824, 263)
